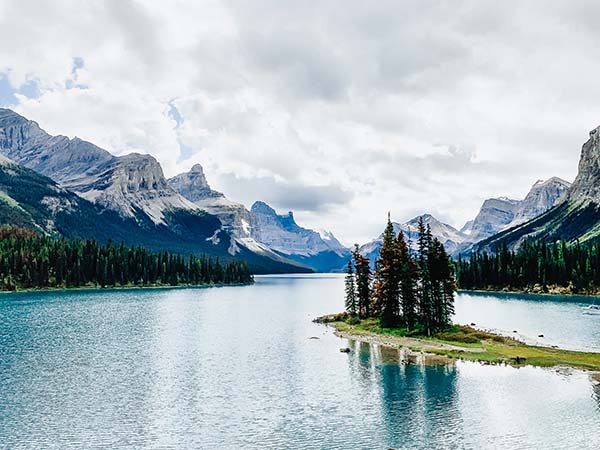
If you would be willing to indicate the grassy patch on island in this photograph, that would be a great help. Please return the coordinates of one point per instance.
(491, 348)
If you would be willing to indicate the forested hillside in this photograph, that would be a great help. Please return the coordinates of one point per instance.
(30, 260)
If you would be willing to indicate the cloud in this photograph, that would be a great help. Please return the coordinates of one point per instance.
(340, 109)
(285, 195)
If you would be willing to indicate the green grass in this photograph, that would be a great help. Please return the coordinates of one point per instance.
(496, 349)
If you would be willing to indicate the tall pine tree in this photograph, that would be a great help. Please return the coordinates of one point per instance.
(363, 283)
(350, 283)
(386, 290)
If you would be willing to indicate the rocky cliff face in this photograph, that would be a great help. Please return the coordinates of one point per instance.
(543, 196)
(193, 186)
(494, 216)
(499, 214)
(283, 234)
(576, 215)
(130, 184)
(586, 186)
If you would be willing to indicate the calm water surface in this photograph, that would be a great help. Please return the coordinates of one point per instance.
(231, 368)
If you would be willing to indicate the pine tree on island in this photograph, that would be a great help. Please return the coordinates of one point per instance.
(350, 283)
(386, 289)
(363, 283)
(409, 278)
(412, 291)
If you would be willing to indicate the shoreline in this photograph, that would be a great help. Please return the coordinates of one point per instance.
(554, 292)
(490, 349)
(119, 288)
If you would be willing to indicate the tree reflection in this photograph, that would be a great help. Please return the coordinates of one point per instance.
(419, 403)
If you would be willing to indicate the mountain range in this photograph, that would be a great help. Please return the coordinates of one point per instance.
(495, 216)
(261, 228)
(575, 218)
(128, 198)
(74, 188)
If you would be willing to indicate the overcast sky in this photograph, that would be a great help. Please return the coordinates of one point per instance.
(338, 110)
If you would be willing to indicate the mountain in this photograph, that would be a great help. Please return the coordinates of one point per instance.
(467, 228)
(494, 216)
(262, 229)
(543, 196)
(576, 215)
(194, 187)
(131, 190)
(499, 214)
(235, 218)
(132, 185)
(447, 234)
(319, 250)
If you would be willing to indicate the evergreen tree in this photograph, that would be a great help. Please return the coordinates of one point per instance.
(535, 265)
(350, 283)
(386, 289)
(409, 277)
(29, 260)
(426, 306)
(363, 283)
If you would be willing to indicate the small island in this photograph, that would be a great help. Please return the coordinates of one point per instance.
(408, 303)
(461, 342)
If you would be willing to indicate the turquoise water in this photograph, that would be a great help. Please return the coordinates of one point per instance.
(234, 367)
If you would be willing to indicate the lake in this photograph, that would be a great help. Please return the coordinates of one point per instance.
(234, 367)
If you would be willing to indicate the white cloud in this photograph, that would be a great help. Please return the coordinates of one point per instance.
(341, 109)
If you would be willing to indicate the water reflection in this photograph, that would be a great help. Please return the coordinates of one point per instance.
(236, 368)
(419, 403)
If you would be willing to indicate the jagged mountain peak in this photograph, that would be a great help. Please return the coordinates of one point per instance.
(193, 185)
(261, 207)
(587, 183)
(498, 214)
(197, 168)
(132, 184)
(283, 234)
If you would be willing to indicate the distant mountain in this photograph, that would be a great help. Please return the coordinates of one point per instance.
(467, 228)
(543, 196)
(319, 250)
(262, 229)
(576, 215)
(498, 214)
(131, 190)
(447, 234)
(495, 216)
(194, 187)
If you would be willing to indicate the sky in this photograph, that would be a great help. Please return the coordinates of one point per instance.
(338, 110)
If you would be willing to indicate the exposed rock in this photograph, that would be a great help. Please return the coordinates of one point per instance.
(587, 183)
(494, 216)
(128, 184)
(194, 187)
(282, 233)
(576, 217)
(543, 196)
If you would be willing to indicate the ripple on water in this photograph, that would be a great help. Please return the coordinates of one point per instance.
(235, 368)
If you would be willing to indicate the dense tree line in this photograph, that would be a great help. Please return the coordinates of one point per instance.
(573, 266)
(30, 260)
(413, 291)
